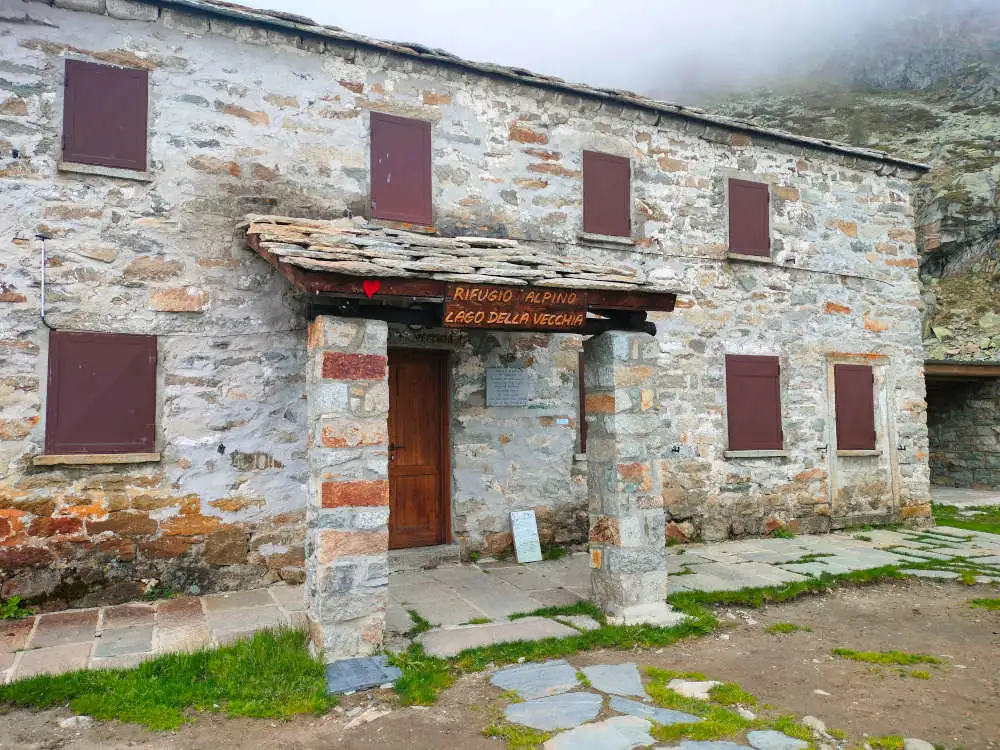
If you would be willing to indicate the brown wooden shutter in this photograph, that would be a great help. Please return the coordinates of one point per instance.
(753, 403)
(854, 400)
(101, 393)
(105, 115)
(583, 406)
(401, 169)
(607, 194)
(749, 218)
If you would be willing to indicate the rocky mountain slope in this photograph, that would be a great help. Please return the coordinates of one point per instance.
(926, 85)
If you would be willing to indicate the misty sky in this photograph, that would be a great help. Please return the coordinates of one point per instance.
(665, 48)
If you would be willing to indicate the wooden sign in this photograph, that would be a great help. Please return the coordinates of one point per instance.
(524, 528)
(506, 386)
(513, 308)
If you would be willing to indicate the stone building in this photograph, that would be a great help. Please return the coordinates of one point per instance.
(195, 401)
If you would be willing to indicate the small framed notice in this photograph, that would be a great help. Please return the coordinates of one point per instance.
(506, 386)
(524, 528)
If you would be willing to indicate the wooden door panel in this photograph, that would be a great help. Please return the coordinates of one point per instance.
(418, 446)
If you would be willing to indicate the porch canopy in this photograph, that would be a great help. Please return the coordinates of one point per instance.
(358, 269)
(359, 278)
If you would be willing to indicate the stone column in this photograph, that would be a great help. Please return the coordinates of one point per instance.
(627, 542)
(347, 545)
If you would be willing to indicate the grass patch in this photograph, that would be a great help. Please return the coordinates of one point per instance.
(986, 603)
(717, 723)
(782, 533)
(890, 658)
(967, 577)
(786, 627)
(758, 597)
(420, 624)
(972, 519)
(477, 621)
(790, 725)
(11, 609)
(423, 676)
(582, 607)
(731, 694)
(516, 736)
(893, 742)
(862, 537)
(920, 674)
(553, 552)
(584, 680)
(156, 593)
(666, 675)
(271, 675)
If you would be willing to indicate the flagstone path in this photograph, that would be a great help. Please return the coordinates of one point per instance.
(470, 605)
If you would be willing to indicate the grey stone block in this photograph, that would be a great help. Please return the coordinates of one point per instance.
(135, 639)
(129, 10)
(555, 711)
(618, 679)
(451, 641)
(531, 681)
(664, 716)
(616, 733)
(89, 6)
(771, 740)
(350, 675)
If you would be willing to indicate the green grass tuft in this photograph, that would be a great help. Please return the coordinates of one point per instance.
(717, 723)
(270, 675)
(985, 603)
(893, 742)
(517, 737)
(11, 609)
(666, 675)
(731, 694)
(892, 658)
(477, 621)
(423, 676)
(582, 607)
(584, 680)
(782, 533)
(862, 537)
(553, 552)
(920, 674)
(967, 577)
(420, 624)
(786, 627)
(972, 519)
(790, 725)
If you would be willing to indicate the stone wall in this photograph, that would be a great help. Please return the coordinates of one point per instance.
(964, 434)
(229, 135)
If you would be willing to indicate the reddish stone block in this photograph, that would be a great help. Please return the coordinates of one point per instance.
(195, 525)
(333, 544)
(600, 403)
(53, 526)
(341, 366)
(125, 523)
(167, 547)
(635, 477)
(15, 558)
(355, 494)
(227, 546)
(497, 542)
(5, 528)
(605, 530)
(120, 549)
(832, 307)
(524, 134)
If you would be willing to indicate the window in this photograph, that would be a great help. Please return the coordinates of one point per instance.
(101, 393)
(854, 402)
(749, 220)
(105, 112)
(753, 403)
(607, 194)
(401, 169)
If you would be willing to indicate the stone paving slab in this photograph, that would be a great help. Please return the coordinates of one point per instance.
(768, 739)
(554, 712)
(451, 641)
(664, 716)
(537, 680)
(52, 660)
(616, 679)
(60, 628)
(121, 641)
(616, 733)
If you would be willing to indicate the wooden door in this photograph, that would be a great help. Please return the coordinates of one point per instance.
(418, 448)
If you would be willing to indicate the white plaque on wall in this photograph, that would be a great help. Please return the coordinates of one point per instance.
(506, 386)
(524, 528)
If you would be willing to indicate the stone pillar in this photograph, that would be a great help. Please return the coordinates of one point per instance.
(627, 542)
(347, 519)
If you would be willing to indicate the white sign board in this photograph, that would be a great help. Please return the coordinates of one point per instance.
(506, 386)
(524, 527)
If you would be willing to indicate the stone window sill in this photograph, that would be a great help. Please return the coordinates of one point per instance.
(859, 453)
(403, 226)
(604, 239)
(756, 454)
(123, 174)
(93, 459)
(749, 258)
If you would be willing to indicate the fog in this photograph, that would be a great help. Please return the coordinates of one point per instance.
(674, 49)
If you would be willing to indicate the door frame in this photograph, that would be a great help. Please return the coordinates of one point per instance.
(444, 355)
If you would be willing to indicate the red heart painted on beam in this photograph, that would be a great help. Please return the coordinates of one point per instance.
(371, 287)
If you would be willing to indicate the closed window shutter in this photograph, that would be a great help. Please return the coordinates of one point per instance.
(854, 401)
(105, 115)
(401, 169)
(749, 221)
(753, 403)
(607, 194)
(101, 393)
(583, 406)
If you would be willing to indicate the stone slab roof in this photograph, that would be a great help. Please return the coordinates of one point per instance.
(303, 25)
(353, 247)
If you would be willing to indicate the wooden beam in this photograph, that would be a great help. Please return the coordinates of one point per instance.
(937, 369)
(315, 282)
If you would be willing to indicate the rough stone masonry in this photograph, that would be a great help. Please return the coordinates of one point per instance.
(227, 503)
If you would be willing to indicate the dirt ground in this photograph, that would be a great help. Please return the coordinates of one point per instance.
(959, 707)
